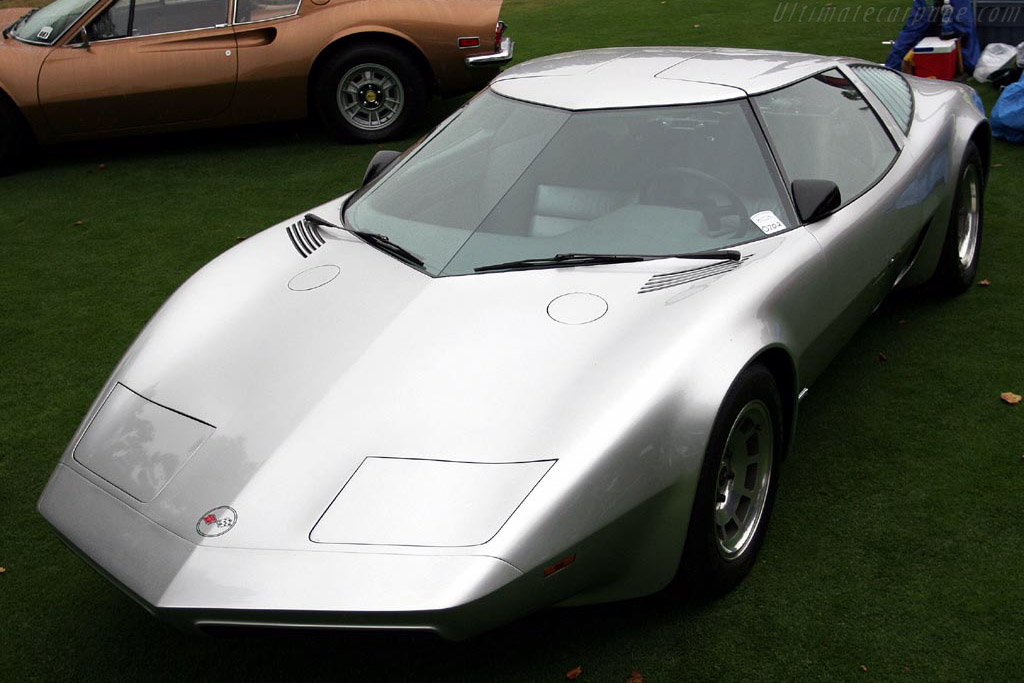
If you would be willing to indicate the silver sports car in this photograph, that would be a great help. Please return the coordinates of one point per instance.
(552, 354)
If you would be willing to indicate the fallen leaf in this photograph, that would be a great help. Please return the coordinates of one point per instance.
(881, 357)
(984, 283)
(3, 570)
(635, 677)
(906, 669)
(863, 668)
(79, 223)
(902, 322)
(997, 165)
(696, 25)
(573, 674)
(103, 167)
(1011, 397)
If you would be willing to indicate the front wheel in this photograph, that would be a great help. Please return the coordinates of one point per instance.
(958, 264)
(370, 93)
(736, 489)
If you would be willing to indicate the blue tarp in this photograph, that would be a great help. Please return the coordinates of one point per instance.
(924, 21)
(1008, 115)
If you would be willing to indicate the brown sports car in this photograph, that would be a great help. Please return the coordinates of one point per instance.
(89, 68)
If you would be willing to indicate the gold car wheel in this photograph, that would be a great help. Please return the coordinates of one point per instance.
(370, 96)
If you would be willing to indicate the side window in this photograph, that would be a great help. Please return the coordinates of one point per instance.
(823, 129)
(261, 10)
(131, 18)
(892, 89)
(167, 16)
(112, 23)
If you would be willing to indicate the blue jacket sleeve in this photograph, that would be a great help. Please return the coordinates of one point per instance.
(922, 21)
(915, 28)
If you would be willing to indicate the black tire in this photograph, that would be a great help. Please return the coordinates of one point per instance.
(713, 561)
(15, 137)
(384, 90)
(958, 263)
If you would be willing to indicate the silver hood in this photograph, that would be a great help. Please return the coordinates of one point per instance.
(305, 367)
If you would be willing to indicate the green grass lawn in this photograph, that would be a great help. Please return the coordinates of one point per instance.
(896, 547)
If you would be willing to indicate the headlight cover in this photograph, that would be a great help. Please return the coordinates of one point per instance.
(137, 445)
(405, 501)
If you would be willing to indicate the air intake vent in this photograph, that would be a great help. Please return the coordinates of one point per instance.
(305, 237)
(666, 280)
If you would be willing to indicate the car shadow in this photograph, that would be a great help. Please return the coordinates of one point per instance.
(254, 138)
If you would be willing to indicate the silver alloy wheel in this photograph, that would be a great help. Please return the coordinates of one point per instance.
(744, 476)
(370, 96)
(969, 217)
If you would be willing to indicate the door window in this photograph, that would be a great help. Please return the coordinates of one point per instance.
(114, 22)
(131, 18)
(824, 129)
(247, 11)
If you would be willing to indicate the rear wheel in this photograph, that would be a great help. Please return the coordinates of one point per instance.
(15, 137)
(736, 489)
(958, 264)
(370, 93)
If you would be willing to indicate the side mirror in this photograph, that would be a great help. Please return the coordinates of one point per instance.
(82, 40)
(815, 199)
(378, 164)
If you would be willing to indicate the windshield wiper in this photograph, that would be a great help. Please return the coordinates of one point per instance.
(23, 17)
(574, 259)
(382, 242)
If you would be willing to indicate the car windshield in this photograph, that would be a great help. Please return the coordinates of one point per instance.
(507, 180)
(46, 25)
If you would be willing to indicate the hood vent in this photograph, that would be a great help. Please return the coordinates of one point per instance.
(305, 237)
(666, 280)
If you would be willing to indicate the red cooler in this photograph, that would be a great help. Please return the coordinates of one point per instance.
(936, 58)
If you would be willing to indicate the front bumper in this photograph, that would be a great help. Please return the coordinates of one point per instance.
(503, 56)
(195, 586)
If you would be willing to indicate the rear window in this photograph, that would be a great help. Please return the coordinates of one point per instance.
(892, 89)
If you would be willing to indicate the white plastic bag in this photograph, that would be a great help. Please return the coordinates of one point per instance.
(995, 57)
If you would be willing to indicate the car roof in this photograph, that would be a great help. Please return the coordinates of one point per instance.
(654, 76)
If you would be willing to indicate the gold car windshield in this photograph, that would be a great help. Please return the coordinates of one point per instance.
(506, 180)
(46, 25)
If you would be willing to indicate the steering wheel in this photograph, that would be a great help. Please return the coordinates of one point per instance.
(689, 188)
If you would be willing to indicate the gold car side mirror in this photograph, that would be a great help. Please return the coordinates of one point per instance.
(83, 40)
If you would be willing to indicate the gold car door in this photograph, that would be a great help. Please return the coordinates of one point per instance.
(142, 63)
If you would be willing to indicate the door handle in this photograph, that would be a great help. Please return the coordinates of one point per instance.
(256, 37)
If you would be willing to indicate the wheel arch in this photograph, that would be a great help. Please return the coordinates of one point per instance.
(369, 38)
(7, 99)
(982, 139)
(778, 361)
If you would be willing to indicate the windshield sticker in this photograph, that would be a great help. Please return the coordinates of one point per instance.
(44, 32)
(768, 222)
